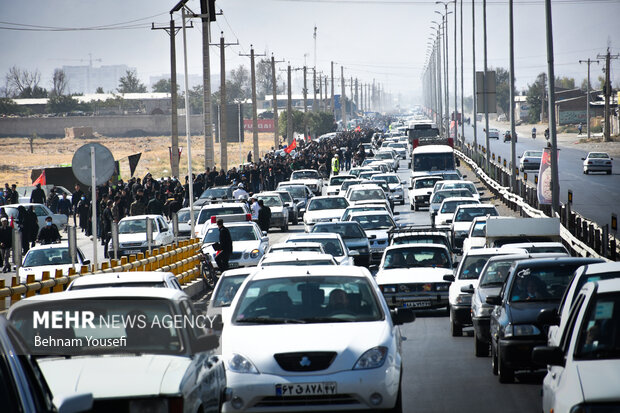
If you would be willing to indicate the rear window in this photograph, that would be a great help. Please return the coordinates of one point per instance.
(468, 214)
(346, 231)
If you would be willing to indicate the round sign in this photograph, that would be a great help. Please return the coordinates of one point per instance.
(104, 164)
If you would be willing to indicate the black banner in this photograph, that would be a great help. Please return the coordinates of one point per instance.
(133, 162)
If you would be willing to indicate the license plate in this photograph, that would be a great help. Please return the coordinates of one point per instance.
(306, 389)
(417, 304)
(129, 252)
(233, 264)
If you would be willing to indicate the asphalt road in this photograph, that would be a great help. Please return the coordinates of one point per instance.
(595, 196)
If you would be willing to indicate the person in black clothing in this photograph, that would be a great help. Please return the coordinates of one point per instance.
(224, 246)
(107, 217)
(6, 242)
(264, 216)
(75, 199)
(49, 233)
(155, 206)
(221, 179)
(64, 206)
(38, 195)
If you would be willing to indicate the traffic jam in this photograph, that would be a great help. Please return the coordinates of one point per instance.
(308, 289)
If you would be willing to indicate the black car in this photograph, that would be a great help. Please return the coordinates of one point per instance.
(216, 194)
(354, 238)
(532, 286)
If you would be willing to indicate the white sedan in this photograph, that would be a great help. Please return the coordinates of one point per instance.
(309, 177)
(49, 257)
(275, 348)
(324, 209)
(132, 237)
(597, 162)
(249, 243)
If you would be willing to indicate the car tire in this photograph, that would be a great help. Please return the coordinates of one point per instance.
(455, 329)
(481, 347)
(493, 360)
(284, 227)
(413, 208)
(506, 374)
(608, 172)
(585, 171)
(295, 221)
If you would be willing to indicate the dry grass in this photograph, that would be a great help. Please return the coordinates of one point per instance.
(16, 161)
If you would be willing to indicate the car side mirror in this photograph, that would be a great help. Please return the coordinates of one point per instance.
(467, 289)
(548, 356)
(206, 343)
(494, 300)
(86, 262)
(264, 233)
(583, 159)
(448, 277)
(549, 317)
(401, 316)
(79, 402)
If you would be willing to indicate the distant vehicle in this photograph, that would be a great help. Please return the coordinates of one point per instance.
(530, 160)
(354, 237)
(324, 209)
(309, 177)
(420, 191)
(597, 162)
(156, 279)
(279, 210)
(332, 244)
(132, 238)
(184, 221)
(216, 194)
(303, 259)
(507, 136)
(25, 192)
(493, 133)
(40, 210)
(300, 193)
(203, 219)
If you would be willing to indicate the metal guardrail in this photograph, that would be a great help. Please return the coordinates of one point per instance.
(181, 259)
(518, 203)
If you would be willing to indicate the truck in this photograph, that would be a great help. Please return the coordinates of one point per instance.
(506, 230)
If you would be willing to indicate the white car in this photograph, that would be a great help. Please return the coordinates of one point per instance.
(363, 208)
(302, 259)
(420, 191)
(530, 160)
(395, 185)
(375, 223)
(324, 209)
(309, 177)
(208, 211)
(249, 243)
(388, 155)
(332, 244)
(228, 284)
(365, 192)
(597, 162)
(539, 247)
(335, 182)
(40, 210)
(49, 257)
(476, 237)
(183, 217)
(493, 133)
(275, 348)
(463, 216)
(139, 362)
(438, 197)
(132, 237)
(462, 185)
(157, 279)
(584, 370)
(445, 213)
(296, 247)
(412, 275)
(279, 210)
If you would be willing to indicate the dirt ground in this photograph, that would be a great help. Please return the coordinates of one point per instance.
(17, 161)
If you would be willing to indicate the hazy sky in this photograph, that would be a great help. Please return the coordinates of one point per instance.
(373, 39)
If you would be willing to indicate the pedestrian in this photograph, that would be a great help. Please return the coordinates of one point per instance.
(76, 197)
(6, 242)
(137, 207)
(49, 233)
(107, 217)
(155, 205)
(52, 200)
(264, 216)
(579, 128)
(82, 210)
(224, 246)
(64, 206)
(38, 195)
(240, 192)
(255, 208)
(335, 165)
(249, 158)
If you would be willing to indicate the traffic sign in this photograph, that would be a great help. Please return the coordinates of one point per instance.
(104, 164)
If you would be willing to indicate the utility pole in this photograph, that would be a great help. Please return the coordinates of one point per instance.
(289, 109)
(254, 104)
(555, 180)
(473, 42)
(305, 102)
(325, 106)
(513, 133)
(607, 92)
(543, 97)
(320, 91)
(589, 61)
(357, 100)
(456, 109)
(484, 87)
(207, 17)
(333, 104)
(314, 103)
(276, 138)
(343, 103)
(351, 98)
(462, 82)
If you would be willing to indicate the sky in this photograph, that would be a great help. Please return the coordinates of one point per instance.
(373, 39)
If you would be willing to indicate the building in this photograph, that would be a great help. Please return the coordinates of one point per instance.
(86, 79)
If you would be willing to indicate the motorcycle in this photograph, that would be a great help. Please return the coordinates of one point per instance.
(533, 134)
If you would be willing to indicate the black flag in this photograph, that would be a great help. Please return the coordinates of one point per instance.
(133, 162)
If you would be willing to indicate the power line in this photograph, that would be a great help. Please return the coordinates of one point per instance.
(104, 26)
(432, 2)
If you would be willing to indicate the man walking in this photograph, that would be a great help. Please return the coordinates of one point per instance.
(6, 242)
(224, 246)
(335, 165)
(264, 216)
(38, 195)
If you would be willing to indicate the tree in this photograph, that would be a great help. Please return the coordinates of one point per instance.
(535, 92)
(565, 82)
(238, 86)
(130, 83)
(59, 83)
(163, 86)
(23, 83)
(99, 90)
(298, 122)
(9, 107)
(502, 88)
(320, 123)
(62, 104)
(264, 84)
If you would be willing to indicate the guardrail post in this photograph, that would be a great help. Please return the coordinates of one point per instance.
(139, 258)
(591, 235)
(597, 241)
(132, 259)
(4, 300)
(605, 240)
(58, 287)
(124, 260)
(44, 277)
(29, 280)
(612, 249)
(84, 269)
(105, 265)
(15, 297)
(584, 231)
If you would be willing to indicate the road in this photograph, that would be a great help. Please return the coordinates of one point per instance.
(595, 196)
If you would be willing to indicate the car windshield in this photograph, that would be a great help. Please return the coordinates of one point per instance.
(441, 195)
(448, 207)
(312, 299)
(416, 257)
(217, 193)
(331, 246)
(286, 197)
(227, 289)
(390, 179)
(472, 265)
(138, 325)
(384, 155)
(457, 185)
(207, 213)
(183, 214)
(305, 175)
(540, 283)
(47, 256)
(599, 336)
(346, 230)
(374, 221)
(338, 180)
(424, 183)
(270, 200)
(363, 194)
(295, 191)
(594, 277)
(479, 229)
(599, 155)
(317, 204)
(237, 233)
(468, 214)
(135, 226)
(495, 273)
(297, 262)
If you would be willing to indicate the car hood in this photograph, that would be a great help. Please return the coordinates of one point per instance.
(38, 271)
(411, 275)
(378, 233)
(137, 237)
(143, 375)
(590, 374)
(461, 226)
(324, 214)
(484, 292)
(527, 312)
(348, 340)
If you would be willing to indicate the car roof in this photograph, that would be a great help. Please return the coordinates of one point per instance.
(295, 244)
(369, 213)
(318, 270)
(296, 256)
(515, 257)
(559, 261)
(306, 170)
(496, 251)
(363, 186)
(61, 244)
(238, 271)
(602, 267)
(221, 205)
(313, 235)
(608, 286)
(417, 245)
(138, 217)
(328, 197)
(534, 244)
(461, 198)
(122, 277)
(467, 206)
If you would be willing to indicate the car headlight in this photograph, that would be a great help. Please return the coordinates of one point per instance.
(483, 311)
(240, 364)
(373, 358)
(254, 253)
(463, 299)
(389, 288)
(520, 330)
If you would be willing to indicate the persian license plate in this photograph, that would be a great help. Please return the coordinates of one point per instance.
(305, 389)
(130, 252)
(417, 304)
(233, 265)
